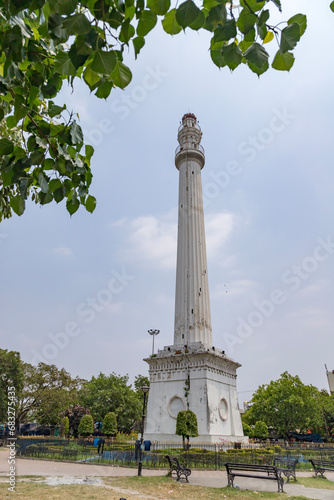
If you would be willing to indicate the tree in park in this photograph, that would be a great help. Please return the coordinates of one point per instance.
(248, 430)
(47, 391)
(112, 393)
(260, 430)
(74, 414)
(86, 426)
(109, 426)
(284, 405)
(47, 42)
(11, 382)
(186, 425)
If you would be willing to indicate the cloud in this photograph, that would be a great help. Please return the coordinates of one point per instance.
(218, 228)
(63, 251)
(118, 223)
(154, 239)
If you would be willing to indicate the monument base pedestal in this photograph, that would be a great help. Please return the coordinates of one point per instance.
(201, 379)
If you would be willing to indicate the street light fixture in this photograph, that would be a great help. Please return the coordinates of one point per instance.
(153, 333)
(145, 390)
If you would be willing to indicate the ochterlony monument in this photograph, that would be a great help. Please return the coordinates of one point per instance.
(192, 373)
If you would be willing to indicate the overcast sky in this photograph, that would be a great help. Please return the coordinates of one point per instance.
(82, 291)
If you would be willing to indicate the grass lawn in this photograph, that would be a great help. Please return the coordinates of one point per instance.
(131, 488)
(315, 482)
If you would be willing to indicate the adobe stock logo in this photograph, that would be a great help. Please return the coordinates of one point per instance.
(293, 279)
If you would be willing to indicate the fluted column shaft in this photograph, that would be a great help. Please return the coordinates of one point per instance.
(192, 304)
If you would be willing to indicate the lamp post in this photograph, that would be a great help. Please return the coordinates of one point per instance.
(153, 333)
(145, 390)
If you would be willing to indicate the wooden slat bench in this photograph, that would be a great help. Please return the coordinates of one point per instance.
(286, 466)
(254, 471)
(180, 470)
(321, 466)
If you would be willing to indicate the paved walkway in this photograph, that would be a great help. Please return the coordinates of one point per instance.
(216, 479)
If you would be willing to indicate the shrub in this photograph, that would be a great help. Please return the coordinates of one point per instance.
(86, 425)
(109, 425)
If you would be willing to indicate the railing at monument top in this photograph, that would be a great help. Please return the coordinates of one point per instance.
(183, 148)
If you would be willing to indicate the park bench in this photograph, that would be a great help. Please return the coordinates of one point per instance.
(286, 466)
(321, 466)
(180, 470)
(254, 471)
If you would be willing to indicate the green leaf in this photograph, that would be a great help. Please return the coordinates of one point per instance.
(332, 6)
(300, 19)
(63, 7)
(59, 194)
(90, 204)
(160, 7)
(64, 65)
(127, 31)
(146, 22)
(72, 205)
(269, 36)
(77, 24)
(90, 77)
(54, 110)
(187, 13)
(170, 24)
(254, 5)
(278, 4)
(76, 133)
(37, 157)
(89, 151)
(217, 15)
(43, 183)
(217, 57)
(138, 44)
(104, 89)
(226, 32)
(17, 204)
(121, 75)
(246, 21)
(257, 56)
(104, 62)
(232, 55)
(6, 147)
(198, 23)
(283, 62)
(55, 184)
(289, 37)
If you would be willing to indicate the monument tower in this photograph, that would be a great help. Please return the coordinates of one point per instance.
(192, 374)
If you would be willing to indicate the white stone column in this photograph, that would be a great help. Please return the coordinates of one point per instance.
(192, 303)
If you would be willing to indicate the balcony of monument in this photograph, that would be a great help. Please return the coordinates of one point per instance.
(184, 148)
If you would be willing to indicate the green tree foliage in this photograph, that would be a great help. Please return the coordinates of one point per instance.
(44, 43)
(284, 405)
(65, 426)
(248, 430)
(109, 426)
(47, 391)
(261, 430)
(11, 375)
(74, 414)
(86, 426)
(186, 425)
(112, 393)
(324, 424)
